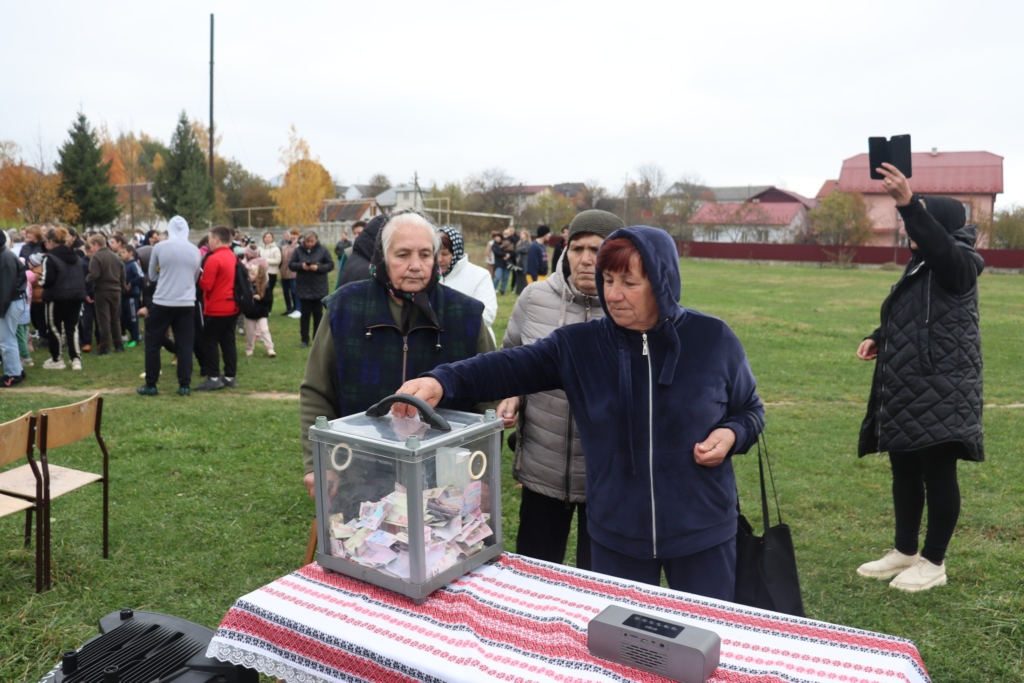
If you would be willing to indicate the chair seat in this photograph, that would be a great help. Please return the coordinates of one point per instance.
(8, 505)
(22, 483)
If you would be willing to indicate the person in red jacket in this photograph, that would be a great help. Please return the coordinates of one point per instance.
(219, 311)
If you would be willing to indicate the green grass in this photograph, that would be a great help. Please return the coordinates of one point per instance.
(207, 504)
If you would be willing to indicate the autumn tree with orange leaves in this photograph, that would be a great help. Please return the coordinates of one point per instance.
(30, 196)
(306, 184)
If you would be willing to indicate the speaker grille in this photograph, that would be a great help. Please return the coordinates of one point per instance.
(643, 658)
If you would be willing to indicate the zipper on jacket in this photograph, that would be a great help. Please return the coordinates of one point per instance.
(650, 449)
(405, 355)
(928, 299)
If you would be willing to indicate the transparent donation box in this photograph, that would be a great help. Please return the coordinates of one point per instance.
(408, 504)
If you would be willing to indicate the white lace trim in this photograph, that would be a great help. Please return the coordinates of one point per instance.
(266, 665)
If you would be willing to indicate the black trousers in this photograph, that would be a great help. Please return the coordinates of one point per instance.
(271, 281)
(314, 308)
(219, 337)
(87, 325)
(37, 312)
(62, 319)
(288, 289)
(544, 525)
(181, 320)
(130, 316)
(927, 474)
(108, 318)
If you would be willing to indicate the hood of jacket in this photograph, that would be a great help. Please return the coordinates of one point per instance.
(949, 213)
(367, 240)
(659, 255)
(177, 229)
(64, 253)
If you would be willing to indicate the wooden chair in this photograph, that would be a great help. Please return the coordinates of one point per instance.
(16, 440)
(58, 427)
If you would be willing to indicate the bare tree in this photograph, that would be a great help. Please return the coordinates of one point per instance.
(593, 192)
(378, 183)
(492, 191)
(651, 179)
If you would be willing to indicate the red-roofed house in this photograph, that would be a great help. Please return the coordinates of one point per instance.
(974, 178)
(526, 195)
(763, 222)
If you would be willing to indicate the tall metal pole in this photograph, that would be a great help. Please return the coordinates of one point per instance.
(211, 96)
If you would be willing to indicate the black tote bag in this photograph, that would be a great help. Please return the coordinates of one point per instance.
(766, 574)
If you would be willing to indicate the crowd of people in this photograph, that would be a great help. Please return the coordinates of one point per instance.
(627, 407)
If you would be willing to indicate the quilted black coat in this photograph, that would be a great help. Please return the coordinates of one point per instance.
(311, 284)
(927, 386)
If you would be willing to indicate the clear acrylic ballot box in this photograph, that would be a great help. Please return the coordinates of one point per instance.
(408, 504)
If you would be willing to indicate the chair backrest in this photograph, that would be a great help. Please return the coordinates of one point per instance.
(15, 439)
(68, 424)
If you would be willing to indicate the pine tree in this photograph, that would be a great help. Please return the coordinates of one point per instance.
(85, 175)
(182, 186)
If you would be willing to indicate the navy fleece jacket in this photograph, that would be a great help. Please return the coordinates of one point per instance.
(639, 417)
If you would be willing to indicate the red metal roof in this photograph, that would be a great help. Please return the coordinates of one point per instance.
(941, 173)
(827, 188)
(759, 213)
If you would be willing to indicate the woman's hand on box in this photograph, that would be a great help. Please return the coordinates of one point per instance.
(507, 411)
(426, 388)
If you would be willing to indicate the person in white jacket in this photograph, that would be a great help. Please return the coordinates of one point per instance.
(462, 276)
(272, 253)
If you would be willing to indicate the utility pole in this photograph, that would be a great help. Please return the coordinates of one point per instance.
(211, 97)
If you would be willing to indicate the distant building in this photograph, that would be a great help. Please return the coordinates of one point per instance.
(353, 192)
(749, 222)
(400, 197)
(574, 192)
(526, 195)
(974, 178)
(345, 212)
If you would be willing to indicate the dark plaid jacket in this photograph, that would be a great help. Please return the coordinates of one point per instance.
(373, 357)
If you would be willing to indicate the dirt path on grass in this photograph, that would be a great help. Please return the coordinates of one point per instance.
(85, 393)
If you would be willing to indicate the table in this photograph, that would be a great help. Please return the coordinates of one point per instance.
(521, 620)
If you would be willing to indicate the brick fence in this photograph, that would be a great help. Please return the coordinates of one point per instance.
(815, 253)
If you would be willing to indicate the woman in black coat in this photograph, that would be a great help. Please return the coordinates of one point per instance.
(311, 262)
(926, 395)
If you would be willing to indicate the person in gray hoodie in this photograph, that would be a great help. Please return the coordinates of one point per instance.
(174, 265)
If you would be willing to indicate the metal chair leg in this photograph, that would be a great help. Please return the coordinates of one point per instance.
(28, 527)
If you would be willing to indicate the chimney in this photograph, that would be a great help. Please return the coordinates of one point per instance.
(935, 151)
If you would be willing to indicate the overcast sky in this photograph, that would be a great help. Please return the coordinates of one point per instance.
(735, 93)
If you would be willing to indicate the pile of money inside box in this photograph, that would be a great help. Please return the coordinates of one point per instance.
(454, 528)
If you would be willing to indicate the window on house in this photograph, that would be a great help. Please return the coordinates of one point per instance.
(405, 196)
(967, 209)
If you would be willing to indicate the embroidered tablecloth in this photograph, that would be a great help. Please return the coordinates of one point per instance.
(524, 620)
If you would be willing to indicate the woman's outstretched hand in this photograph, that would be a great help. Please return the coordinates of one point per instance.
(426, 388)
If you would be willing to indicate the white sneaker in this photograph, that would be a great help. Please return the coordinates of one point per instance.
(920, 577)
(295, 314)
(76, 364)
(889, 566)
(50, 364)
(27, 362)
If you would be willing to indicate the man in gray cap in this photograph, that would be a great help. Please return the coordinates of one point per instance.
(549, 458)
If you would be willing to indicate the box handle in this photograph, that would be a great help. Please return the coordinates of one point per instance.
(429, 416)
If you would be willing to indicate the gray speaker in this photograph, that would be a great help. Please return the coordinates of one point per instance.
(683, 653)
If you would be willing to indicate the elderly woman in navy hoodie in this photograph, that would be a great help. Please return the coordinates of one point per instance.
(658, 434)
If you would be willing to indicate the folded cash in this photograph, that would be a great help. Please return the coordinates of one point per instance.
(454, 528)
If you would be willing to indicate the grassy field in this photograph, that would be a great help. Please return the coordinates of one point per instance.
(207, 502)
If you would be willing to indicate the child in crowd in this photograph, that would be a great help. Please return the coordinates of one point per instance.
(24, 345)
(256, 326)
(134, 279)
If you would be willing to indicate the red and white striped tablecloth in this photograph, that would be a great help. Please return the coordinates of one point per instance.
(523, 620)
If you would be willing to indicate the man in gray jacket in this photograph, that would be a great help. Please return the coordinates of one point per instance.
(549, 458)
(174, 266)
